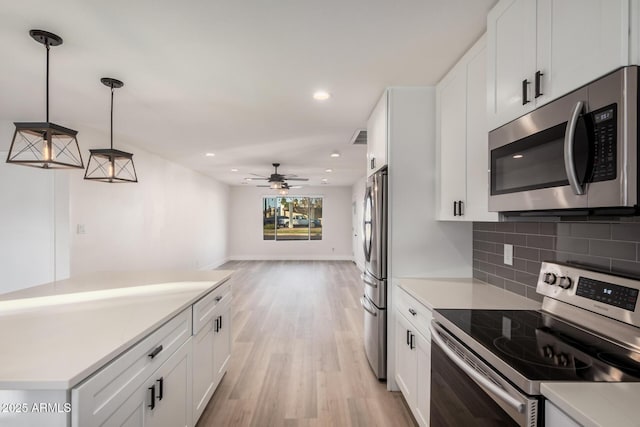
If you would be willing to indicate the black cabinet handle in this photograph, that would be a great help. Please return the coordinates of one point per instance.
(538, 84)
(460, 210)
(412, 311)
(373, 163)
(455, 208)
(218, 298)
(220, 324)
(408, 335)
(155, 351)
(525, 83)
(160, 388)
(411, 343)
(217, 328)
(152, 389)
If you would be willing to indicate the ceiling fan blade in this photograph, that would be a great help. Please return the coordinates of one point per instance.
(256, 179)
(290, 175)
(298, 179)
(265, 186)
(261, 176)
(295, 186)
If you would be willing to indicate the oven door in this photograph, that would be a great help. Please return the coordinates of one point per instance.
(466, 391)
(528, 166)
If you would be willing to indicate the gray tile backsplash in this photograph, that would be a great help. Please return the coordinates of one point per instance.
(612, 244)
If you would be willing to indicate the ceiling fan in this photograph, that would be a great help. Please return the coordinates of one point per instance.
(276, 180)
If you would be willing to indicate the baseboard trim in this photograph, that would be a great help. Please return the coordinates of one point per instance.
(291, 258)
(215, 264)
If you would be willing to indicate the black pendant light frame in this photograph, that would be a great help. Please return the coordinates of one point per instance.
(108, 164)
(45, 144)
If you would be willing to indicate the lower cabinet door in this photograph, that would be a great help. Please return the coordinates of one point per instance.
(222, 343)
(204, 374)
(171, 384)
(406, 359)
(423, 393)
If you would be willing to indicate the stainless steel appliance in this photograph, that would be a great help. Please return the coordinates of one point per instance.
(487, 365)
(374, 300)
(577, 153)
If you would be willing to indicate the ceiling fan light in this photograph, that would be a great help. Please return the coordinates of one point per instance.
(283, 191)
(276, 185)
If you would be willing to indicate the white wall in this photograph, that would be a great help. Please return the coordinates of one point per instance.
(172, 218)
(33, 212)
(357, 201)
(245, 219)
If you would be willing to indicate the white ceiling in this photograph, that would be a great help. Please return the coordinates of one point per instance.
(231, 77)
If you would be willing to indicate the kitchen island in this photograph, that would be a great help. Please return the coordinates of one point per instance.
(58, 335)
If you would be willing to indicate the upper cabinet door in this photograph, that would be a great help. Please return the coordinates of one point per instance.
(477, 200)
(377, 134)
(511, 47)
(451, 95)
(578, 42)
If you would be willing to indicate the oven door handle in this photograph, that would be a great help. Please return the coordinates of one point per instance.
(569, 140)
(475, 375)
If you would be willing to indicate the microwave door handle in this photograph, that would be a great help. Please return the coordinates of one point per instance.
(569, 139)
(482, 380)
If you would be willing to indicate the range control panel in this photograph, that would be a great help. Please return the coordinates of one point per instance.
(607, 294)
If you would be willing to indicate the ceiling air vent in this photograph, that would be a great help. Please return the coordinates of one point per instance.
(359, 137)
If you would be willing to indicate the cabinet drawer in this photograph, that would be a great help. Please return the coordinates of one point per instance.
(415, 312)
(205, 309)
(104, 392)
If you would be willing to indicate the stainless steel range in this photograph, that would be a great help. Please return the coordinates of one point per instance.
(487, 365)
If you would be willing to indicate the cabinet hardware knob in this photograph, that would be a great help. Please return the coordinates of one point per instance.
(155, 351)
(218, 298)
(525, 84)
(412, 311)
(152, 389)
(160, 388)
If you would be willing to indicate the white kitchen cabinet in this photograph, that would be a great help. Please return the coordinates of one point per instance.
(413, 355)
(553, 416)
(211, 346)
(540, 50)
(163, 400)
(377, 135)
(406, 359)
(462, 140)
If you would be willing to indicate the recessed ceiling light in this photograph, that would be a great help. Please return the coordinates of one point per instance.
(210, 154)
(325, 180)
(518, 156)
(247, 179)
(321, 95)
(335, 154)
(328, 170)
(234, 170)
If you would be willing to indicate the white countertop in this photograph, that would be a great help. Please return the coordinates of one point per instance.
(55, 335)
(464, 293)
(596, 404)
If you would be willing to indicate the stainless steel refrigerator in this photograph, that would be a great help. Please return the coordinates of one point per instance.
(374, 300)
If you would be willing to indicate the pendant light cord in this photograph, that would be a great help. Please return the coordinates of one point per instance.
(47, 46)
(112, 116)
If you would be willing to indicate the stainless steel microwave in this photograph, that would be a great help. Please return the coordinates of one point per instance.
(576, 155)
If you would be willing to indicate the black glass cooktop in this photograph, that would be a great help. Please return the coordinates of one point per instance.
(543, 348)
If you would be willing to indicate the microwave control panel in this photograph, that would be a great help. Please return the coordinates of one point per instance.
(605, 143)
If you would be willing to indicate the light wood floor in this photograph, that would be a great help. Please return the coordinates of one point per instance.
(297, 355)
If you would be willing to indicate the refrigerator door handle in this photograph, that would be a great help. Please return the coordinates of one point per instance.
(367, 281)
(364, 305)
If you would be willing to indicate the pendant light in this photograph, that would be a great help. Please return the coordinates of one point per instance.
(108, 164)
(45, 144)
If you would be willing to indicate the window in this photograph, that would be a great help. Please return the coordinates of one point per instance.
(292, 218)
